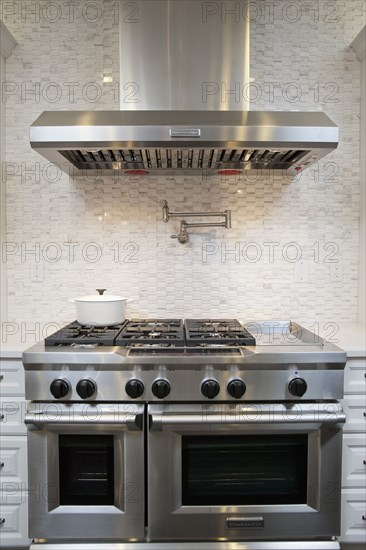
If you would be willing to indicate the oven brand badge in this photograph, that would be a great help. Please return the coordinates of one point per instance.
(245, 523)
(185, 132)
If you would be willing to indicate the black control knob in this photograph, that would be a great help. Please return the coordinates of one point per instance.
(161, 388)
(86, 388)
(236, 388)
(297, 387)
(134, 388)
(60, 388)
(210, 388)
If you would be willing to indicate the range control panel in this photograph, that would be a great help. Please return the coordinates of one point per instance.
(184, 385)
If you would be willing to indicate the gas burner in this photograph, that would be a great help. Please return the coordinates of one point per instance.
(74, 333)
(167, 332)
(158, 332)
(209, 332)
(214, 326)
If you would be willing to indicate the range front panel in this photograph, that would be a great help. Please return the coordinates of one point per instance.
(86, 471)
(236, 472)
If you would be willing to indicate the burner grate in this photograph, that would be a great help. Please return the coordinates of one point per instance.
(74, 333)
(168, 333)
(152, 332)
(211, 332)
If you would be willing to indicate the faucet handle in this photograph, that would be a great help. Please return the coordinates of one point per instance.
(182, 237)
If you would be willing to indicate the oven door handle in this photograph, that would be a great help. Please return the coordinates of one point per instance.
(37, 420)
(166, 419)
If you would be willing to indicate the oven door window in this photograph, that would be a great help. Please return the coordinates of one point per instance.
(244, 470)
(86, 469)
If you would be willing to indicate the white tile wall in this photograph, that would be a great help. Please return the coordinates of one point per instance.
(138, 258)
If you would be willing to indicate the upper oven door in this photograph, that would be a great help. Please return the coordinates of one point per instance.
(240, 472)
(86, 471)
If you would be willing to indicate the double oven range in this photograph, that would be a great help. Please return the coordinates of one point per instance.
(196, 434)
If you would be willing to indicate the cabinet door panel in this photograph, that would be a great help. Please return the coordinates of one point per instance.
(11, 378)
(14, 520)
(13, 463)
(355, 410)
(353, 515)
(12, 413)
(355, 376)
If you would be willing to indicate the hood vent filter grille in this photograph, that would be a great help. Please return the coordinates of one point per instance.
(185, 159)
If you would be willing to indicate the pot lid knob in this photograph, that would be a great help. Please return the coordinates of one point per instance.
(101, 291)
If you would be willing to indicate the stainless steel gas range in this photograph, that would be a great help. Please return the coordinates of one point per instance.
(196, 434)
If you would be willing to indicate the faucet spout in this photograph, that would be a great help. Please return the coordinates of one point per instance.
(183, 235)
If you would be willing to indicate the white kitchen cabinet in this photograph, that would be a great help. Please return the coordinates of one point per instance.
(354, 453)
(354, 515)
(354, 376)
(11, 378)
(12, 411)
(13, 456)
(13, 462)
(355, 409)
(14, 520)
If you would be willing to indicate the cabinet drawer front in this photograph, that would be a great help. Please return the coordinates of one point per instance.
(11, 378)
(13, 463)
(12, 412)
(355, 376)
(355, 409)
(353, 512)
(14, 520)
(354, 460)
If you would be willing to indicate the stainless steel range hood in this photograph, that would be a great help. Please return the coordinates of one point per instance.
(184, 103)
(182, 141)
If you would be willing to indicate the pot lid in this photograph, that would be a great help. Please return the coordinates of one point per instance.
(100, 297)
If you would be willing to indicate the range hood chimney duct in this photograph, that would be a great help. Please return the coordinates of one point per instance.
(185, 55)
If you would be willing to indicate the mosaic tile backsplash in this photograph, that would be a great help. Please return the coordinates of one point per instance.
(292, 251)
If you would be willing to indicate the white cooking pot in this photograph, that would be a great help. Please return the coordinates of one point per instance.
(100, 309)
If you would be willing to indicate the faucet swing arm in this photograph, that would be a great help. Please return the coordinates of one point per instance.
(184, 225)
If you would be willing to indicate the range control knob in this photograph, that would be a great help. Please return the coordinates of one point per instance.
(297, 387)
(134, 388)
(236, 388)
(60, 388)
(86, 388)
(210, 388)
(161, 388)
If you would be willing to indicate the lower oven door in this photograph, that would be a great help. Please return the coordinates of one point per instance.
(86, 471)
(244, 472)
